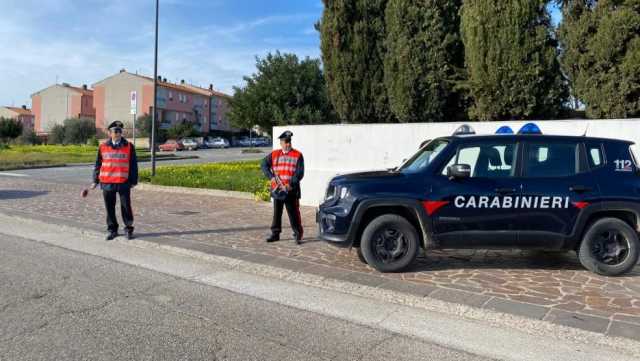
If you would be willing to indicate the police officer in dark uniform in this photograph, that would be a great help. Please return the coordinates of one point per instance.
(285, 168)
(116, 170)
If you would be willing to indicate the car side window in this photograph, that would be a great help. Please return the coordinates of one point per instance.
(594, 155)
(488, 160)
(545, 160)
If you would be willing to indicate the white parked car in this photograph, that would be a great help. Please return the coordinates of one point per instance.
(190, 144)
(217, 143)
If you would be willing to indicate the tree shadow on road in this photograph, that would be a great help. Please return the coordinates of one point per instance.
(17, 194)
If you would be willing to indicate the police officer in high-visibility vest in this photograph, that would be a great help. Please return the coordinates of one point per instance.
(116, 171)
(285, 168)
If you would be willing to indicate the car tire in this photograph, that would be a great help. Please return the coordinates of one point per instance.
(390, 243)
(596, 253)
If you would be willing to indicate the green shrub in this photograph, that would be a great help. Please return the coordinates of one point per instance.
(182, 130)
(28, 137)
(9, 129)
(56, 134)
(79, 131)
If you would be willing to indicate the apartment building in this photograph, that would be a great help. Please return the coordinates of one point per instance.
(23, 115)
(58, 102)
(176, 102)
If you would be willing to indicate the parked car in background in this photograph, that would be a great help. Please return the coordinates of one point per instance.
(244, 142)
(189, 144)
(171, 145)
(217, 142)
(261, 142)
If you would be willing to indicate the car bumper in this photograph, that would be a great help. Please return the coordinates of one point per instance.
(333, 228)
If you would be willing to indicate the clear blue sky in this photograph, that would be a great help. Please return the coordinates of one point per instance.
(201, 41)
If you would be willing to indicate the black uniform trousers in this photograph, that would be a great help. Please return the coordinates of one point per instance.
(292, 203)
(110, 193)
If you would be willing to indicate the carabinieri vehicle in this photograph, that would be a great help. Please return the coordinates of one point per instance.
(524, 191)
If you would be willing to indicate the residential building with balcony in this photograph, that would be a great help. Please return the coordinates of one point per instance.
(176, 102)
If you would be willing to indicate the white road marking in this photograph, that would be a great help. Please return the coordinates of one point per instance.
(13, 174)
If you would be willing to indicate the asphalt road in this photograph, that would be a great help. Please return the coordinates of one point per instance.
(82, 174)
(57, 304)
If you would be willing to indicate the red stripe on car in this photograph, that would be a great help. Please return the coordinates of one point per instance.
(432, 206)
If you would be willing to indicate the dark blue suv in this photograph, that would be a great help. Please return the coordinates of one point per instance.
(525, 191)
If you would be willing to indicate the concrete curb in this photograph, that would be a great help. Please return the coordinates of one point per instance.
(35, 229)
(196, 191)
(38, 167)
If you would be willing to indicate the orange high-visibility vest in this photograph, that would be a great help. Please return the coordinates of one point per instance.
(115, 164)
(284, 165)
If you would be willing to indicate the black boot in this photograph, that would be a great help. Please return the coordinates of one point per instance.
(130, 234)
(111, 235)
(273, 238)
(298, 239)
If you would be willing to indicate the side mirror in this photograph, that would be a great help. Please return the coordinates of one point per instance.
(459, 171)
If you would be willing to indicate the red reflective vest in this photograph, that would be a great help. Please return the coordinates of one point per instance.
(115, 163)
(284, 165)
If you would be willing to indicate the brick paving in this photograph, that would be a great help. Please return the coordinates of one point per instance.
(541, 285)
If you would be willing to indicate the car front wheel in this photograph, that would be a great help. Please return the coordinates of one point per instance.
(610, 247)
(389, 243)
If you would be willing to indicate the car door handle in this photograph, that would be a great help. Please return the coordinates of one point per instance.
(505, 190)
(580, 189)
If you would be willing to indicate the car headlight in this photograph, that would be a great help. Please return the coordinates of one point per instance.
(344, 192)
(330, 193)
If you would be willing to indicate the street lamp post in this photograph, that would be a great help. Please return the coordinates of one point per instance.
(155, 98)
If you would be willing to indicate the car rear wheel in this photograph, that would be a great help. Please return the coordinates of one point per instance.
(389, 243)
(610, 247)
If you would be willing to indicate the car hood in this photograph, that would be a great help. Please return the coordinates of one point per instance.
(367, 176)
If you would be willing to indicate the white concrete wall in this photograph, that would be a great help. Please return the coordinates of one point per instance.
(337, 149)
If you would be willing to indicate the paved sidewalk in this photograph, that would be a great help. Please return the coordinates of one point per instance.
(552, 287)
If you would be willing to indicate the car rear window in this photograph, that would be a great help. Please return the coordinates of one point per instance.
(544, 160)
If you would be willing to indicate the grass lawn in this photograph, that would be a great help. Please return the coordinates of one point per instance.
(26, 156)
(234, 176)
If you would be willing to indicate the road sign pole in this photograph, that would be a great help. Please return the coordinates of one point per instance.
(133, 97)
(155, 99)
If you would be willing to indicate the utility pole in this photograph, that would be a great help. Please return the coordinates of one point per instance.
(155, 99)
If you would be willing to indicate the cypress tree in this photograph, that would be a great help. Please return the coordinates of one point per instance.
(511, 58)
(601, 55)
(424, 60)
(352, 34)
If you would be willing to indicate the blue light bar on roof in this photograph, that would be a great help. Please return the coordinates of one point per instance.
(530, 128)
(505, 129)
(464, 129)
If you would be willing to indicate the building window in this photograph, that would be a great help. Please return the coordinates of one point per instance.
(170, 96)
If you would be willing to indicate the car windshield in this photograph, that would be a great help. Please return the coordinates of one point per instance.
(424, 156)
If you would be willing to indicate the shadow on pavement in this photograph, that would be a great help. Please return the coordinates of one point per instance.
(503, 260)
(14, 194)
(202, 231)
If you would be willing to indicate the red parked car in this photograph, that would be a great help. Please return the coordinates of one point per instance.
(171, 145)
